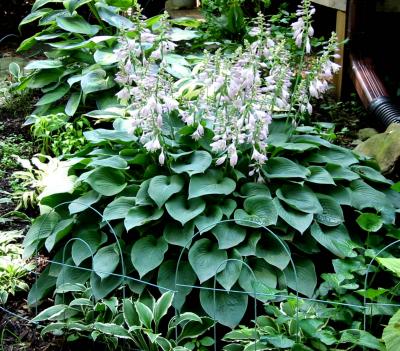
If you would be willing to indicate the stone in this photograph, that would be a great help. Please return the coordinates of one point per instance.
(384, 148)
(365, 133)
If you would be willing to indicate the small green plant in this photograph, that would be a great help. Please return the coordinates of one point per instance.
(13, 145)
(13, 269)
(137, 323)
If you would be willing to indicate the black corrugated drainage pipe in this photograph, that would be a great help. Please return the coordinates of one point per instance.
(369, 86)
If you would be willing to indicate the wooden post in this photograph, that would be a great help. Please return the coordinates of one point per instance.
(341, 34)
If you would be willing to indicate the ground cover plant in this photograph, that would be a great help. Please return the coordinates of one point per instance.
(197, 172)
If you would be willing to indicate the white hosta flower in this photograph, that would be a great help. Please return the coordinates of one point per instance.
(161, 158)
(198, 134)
(258, 157)
(232, 154)
(221, 160)
(170, 104)
(218, 146)
(153, 145)
(124, 95)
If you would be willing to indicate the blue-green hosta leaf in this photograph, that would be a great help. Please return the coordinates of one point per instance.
(116, 162)
(87, 245)
(229, 234)
(142, 196)
(370, 222)
(183, 210)
(206, 259)
(335, 239)
(274, 251)
(319, 176)
(106, 181)
(365, 196)
(332, 213)
(212, 182)
(177, 34)
(258, 211)
(341, 173)
(72, 5)
(209, 219)
(97, 136)
(62, 229)
(161, 188)
(148, 253)
(280, 167)
(113, 18)
(102, 287)
(228, 308)
(70, 278)
(227, 207)
(83, 202)
(229, 276)
(162, 306)
(73, 104)
(140, 215)
(53, 95)
(118, 208)
(196, 162)
(341, 194)
(41, 3)
(253, 189)
(106, 260)
(175, 234)
(301, 198)
(249, 247)
(41, 287)
(371, 174)
(105, 57)
(77, 24)
(96, 80)
(264, 274)
(335, 155)
(304, 279)
(166, 279)
(296, 219)
(391, 333)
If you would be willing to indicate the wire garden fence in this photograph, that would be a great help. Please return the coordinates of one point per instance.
(366, 308)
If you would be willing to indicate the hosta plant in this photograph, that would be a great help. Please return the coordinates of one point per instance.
(123, 323)
(206, 179)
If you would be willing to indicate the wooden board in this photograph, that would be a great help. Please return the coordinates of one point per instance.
(335, 4)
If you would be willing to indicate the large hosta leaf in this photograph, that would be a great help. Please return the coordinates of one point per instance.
(228, 308)
(96, 80)
(175, 234)
(253, 189)
(341, 173)
(106, 260)
(83, 202)
(89, 240)
(106, 181)
(113, 18)
(229, 234)
(280, 167)
(183, 210)
(332, 214)
(296, 219)
(334, 155)
(118, 208)
(102, 287)
(301, 198)
(304, 279)
(161, 188)
(209, 219)
(212, 182)
(77, 24)
(196, 162)
(206, 259)
(371, 174)
(258, 211)
(335, 239)
(273, 251)
(365, 196)
(319, 176)
(148, 253)
(53, 95)
(186, 276)
(139, 215)
(114, 161)
(264, 274)
(229, 276)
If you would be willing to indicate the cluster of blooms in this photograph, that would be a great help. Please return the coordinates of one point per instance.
(302, 29)
(237, 94)
(147, 90)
